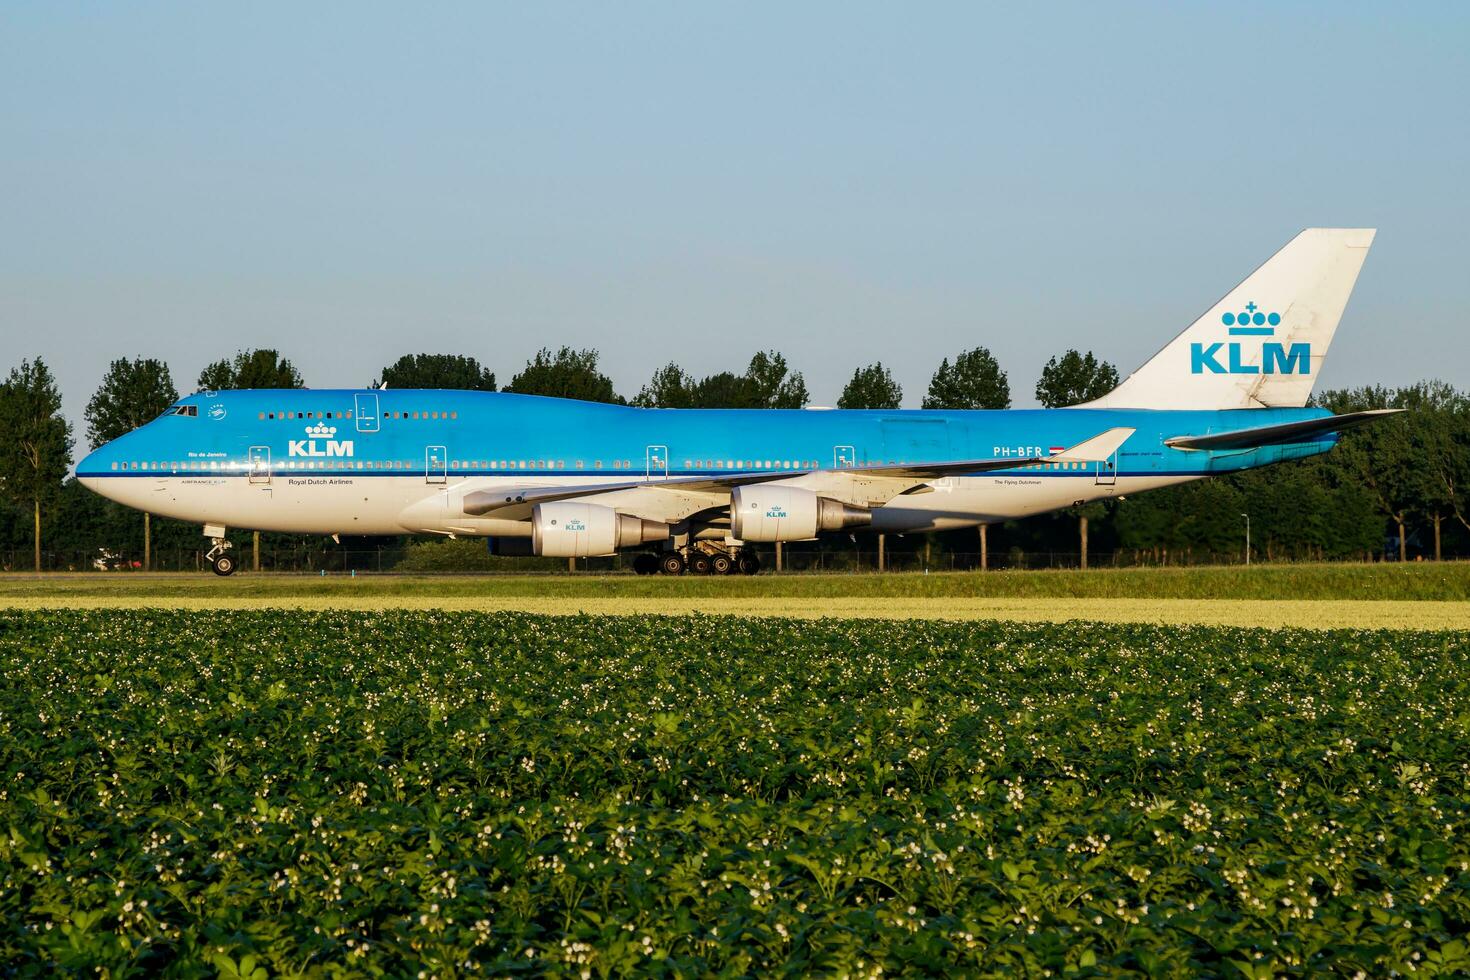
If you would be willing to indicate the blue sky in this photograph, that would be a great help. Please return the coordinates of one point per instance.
(842, 182)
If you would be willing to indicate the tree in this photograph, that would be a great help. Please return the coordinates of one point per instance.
(1435, 413)
(1450, 461)
(725, 390)
(974, 380)
(871, 387)
(437, 371)
(766, 383)
(566, 374)
(35, 441)
(1381, 456)
(670, 387)
(262, 368)
(772, 385)
(1074, 378)
(132, 393)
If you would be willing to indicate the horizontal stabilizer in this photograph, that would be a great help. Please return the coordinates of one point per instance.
(1275, 435)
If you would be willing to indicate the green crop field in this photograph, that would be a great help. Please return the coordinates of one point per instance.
(1418, 581)
(335, 793)
(1422, 596)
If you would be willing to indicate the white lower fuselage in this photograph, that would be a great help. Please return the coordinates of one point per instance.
(344, 503)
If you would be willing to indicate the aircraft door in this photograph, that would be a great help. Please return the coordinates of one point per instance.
(436, 464)
(843, 457)
(1107, 471)
(260, 464)
(656, 462)
(365, 411)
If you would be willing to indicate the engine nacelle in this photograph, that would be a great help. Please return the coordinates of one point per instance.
(565, 529)
(767, 513)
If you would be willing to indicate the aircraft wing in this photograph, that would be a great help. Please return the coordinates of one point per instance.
(515, 503)
(480, 503)
(1275, 435)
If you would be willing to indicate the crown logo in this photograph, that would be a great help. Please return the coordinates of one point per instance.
(320, 431)
(1249, 318)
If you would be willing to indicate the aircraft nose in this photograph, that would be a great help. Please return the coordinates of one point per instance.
(94, 466)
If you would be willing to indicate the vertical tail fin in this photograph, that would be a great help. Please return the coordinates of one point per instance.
(1262, 345)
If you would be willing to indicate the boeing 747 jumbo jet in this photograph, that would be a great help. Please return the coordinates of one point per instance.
(690, 489)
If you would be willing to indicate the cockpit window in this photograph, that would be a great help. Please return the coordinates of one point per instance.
(190, 410)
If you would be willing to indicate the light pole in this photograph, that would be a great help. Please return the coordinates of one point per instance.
(1247, 538)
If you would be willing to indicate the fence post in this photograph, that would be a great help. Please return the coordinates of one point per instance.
(984, 550)
(882, 553)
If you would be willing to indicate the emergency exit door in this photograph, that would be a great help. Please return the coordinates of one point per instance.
(656, 462)
(436, 464)
(365, 411)
(260, 464)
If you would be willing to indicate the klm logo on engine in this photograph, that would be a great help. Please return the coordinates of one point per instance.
(1225, 357)
(319, 442)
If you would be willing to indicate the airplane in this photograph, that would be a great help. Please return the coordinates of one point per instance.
(693, 489)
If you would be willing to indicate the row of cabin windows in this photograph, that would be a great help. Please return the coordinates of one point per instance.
(347, 415)
(216, 465)
(199, 465)
(534, 465)
(752, 464)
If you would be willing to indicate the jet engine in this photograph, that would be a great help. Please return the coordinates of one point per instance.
(565, 529)
(771, 513)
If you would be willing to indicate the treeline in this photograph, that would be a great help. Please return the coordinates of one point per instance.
(1395, 489)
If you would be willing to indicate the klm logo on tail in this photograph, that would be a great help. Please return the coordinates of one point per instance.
(1276, 358)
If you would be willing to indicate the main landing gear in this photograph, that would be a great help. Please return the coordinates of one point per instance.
(219, 556)
(697, 561)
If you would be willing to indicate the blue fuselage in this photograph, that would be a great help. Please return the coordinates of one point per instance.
(464, 433)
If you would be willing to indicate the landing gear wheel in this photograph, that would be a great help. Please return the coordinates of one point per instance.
(224, 565)
(645, 564)
(671, 564)
(721, 564)
(699, 563)
(748, 564)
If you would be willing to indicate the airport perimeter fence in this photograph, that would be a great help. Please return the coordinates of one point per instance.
(804, 557)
